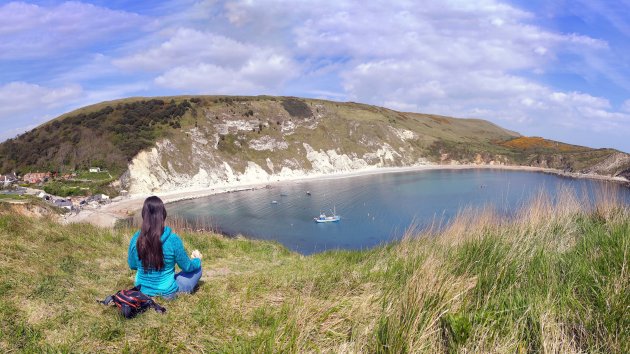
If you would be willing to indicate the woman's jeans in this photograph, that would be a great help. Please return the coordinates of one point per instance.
(186, 282)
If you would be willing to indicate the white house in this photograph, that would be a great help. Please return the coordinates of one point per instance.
(95, 169)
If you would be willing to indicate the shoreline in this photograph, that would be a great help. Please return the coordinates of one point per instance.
(109, 214)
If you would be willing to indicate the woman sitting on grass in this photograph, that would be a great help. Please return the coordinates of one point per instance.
(155, 249)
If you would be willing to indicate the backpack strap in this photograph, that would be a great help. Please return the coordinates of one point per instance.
(157, 307)
(108, 300)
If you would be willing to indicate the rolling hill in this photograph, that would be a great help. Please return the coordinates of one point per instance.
(166, 143)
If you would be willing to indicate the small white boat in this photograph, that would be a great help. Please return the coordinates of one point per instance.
(274, 202)
(323, 218)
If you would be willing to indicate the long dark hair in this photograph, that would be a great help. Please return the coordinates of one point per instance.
(149, 244)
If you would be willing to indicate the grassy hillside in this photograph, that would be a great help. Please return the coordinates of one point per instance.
(110, 134)
(553, 279)
(195, 133)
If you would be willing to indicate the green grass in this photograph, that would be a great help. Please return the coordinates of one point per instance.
(83, 186)
(15, 197)
(67, 188)
(553, 279)
(96, 176)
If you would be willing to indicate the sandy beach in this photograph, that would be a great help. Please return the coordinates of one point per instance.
(107, 215)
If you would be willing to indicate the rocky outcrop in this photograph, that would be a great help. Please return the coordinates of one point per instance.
(617, 164)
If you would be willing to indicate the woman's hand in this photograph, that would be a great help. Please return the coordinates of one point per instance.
(196, 254)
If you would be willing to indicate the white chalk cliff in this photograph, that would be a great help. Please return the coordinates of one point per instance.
(198, 160)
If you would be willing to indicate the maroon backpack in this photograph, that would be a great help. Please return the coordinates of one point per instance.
(132, 301)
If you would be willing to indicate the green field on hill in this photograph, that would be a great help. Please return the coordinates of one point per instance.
(555, 278)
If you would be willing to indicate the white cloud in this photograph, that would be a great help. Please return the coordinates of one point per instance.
(96, 66)
(32, 31)
(21, 98)
(205, 62)
(263, 73)
(187, 46)
(23, 105)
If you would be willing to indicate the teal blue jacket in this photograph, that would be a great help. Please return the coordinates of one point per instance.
(162, 282)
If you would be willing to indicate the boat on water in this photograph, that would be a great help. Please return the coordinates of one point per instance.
(323, 218)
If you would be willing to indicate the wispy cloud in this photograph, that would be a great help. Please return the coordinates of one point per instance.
(204, 62)
(16, 98)
(25, 105)
(30, 31)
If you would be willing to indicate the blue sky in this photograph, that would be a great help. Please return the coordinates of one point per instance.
(557, 69)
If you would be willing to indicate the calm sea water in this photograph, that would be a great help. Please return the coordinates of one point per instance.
(374, 209)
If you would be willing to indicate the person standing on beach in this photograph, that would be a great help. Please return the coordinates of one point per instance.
(153, 252)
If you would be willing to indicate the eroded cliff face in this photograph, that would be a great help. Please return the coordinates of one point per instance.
(149, 174)
(617, 164)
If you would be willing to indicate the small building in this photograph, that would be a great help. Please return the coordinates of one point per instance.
(95, 169)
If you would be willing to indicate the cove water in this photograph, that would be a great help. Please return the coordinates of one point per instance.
(374, 209)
